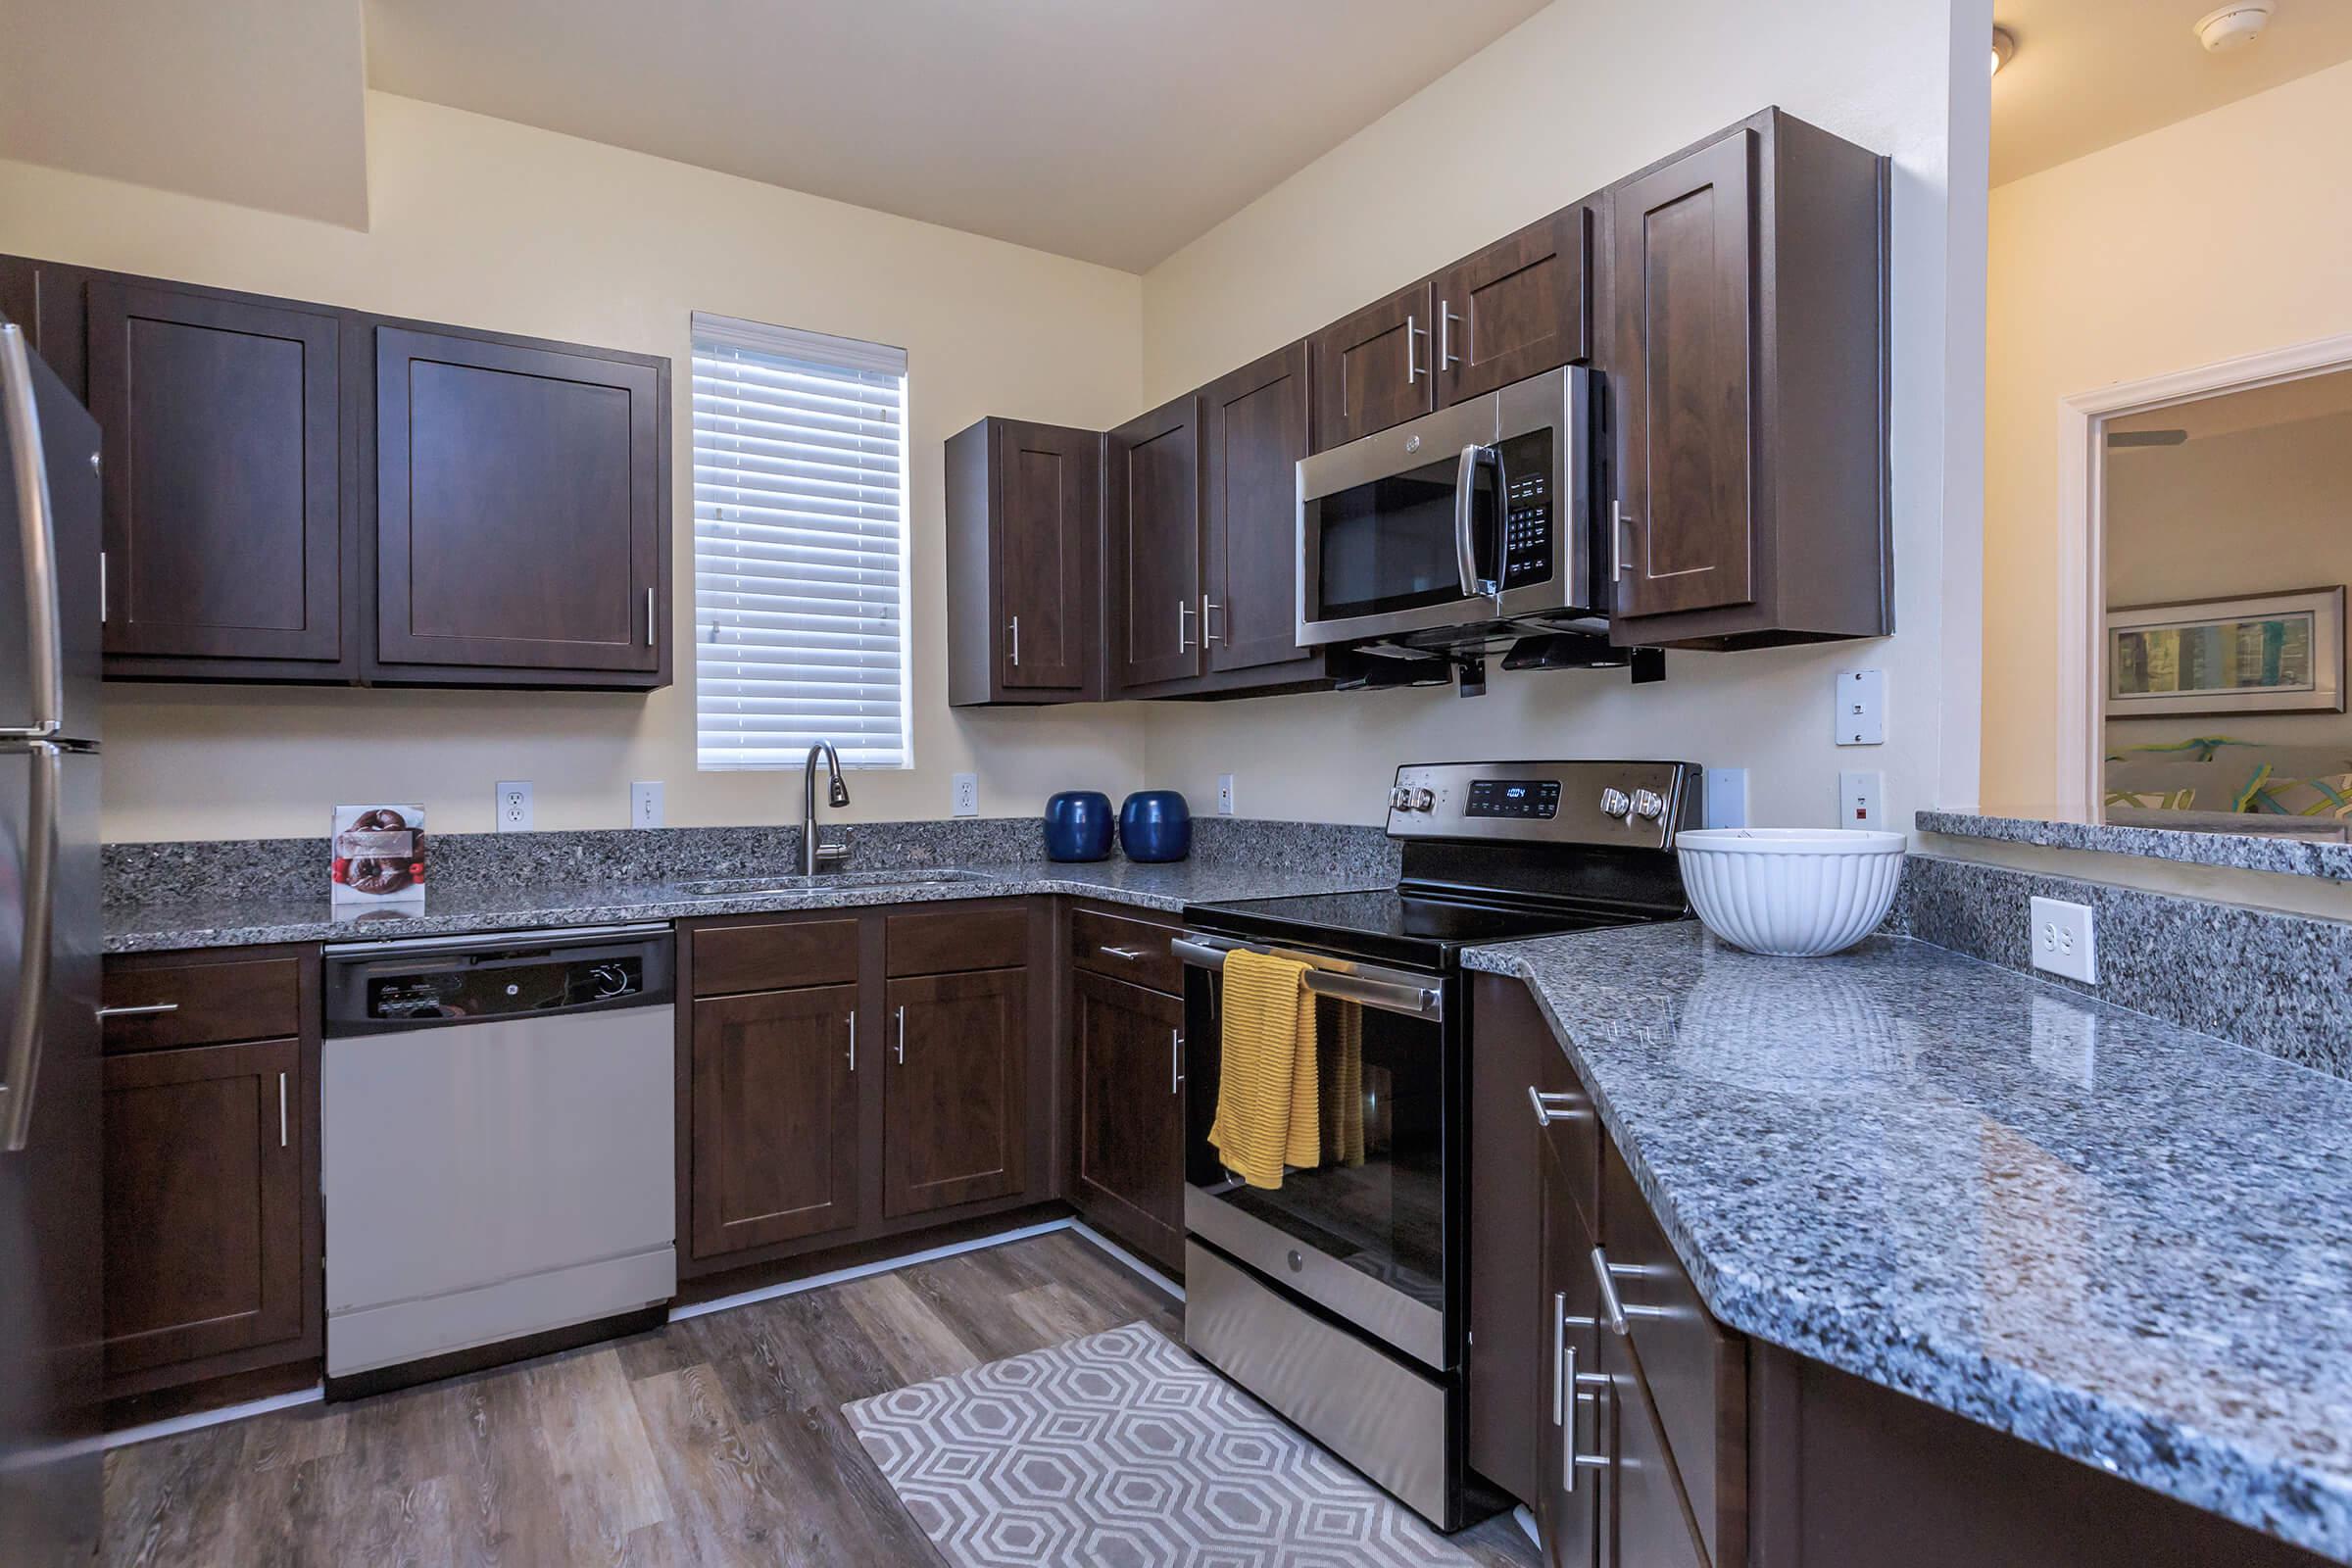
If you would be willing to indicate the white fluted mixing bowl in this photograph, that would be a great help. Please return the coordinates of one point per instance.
(1791, 892)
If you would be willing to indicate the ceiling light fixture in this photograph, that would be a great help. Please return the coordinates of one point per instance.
(2235, 26)
(2005, 48)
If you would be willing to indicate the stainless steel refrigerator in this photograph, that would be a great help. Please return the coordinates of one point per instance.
(49, 1105)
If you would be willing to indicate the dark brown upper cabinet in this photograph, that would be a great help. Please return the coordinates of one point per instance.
(1516, 309)
(1024, 509)
(227, 511)
(1155, 606)
(1748, 358)
(1375, 367)
(1254, 430)
(520, 490)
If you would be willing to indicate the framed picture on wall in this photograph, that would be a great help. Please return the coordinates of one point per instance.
(2278, 653)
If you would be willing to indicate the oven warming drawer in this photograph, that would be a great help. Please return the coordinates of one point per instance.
(1371, 1410)
(1373, 1305)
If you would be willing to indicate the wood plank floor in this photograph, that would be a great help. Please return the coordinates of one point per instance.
(716, 1441)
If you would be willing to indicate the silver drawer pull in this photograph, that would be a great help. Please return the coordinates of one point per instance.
(1175, 1062)
(281, 1111)
(1553, 1106)
(899, 1047)
(1131, 955)
(852, 1018)
(1613, 1310)
(144, 1009)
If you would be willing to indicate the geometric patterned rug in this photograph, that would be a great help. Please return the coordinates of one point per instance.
(1119, 1450)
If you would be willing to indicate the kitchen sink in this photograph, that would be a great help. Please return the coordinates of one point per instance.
(736, 887)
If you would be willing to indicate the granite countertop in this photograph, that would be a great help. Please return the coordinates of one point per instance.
(2103, 1234)
(234, 921)
(2292, 845)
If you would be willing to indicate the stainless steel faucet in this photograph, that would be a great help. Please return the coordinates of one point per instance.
(839, 795)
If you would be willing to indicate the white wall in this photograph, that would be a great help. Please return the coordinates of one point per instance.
(2222, 236)
(486, 223)
(1579, 95)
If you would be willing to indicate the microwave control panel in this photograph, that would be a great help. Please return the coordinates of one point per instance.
(1527, 509)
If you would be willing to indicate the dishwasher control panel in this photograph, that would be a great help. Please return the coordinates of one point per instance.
(479, 981)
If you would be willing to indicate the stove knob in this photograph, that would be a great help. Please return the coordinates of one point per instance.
(1648, 804)
(1613, 803)
(1400, 799)
(1423, 800)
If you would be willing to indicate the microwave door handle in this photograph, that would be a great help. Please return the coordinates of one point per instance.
(44, 647)
(1465, 546)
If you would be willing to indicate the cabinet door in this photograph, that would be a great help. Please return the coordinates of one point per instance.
(1646, 1522)
(1372, 368)
(203, 1228)
(1130, 1143)
(1254, 430)
(519, 505)
(955, 1114)
(775, 1117)
(1152, 535)
(51, 303)
(1050, 483)
(1684, 367)
(1514, 310)
(1571, 1459)
(223, 475)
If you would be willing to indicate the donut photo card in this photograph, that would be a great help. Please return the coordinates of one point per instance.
(380, 854)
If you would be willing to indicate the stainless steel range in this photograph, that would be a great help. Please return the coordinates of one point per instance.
(1340, 1297)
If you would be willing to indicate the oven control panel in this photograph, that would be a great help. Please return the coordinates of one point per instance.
(1640, 804)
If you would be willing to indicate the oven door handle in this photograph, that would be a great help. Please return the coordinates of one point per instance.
(1387, 989)
(1465, 487)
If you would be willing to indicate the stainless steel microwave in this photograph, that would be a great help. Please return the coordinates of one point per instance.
(1475, 514)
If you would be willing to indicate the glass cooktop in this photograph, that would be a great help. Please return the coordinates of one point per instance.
(1388, 925)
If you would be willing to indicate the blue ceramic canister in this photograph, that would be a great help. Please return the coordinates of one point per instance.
(1078, 825)
(1155, 825)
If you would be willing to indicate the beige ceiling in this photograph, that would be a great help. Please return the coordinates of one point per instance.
(1113, 130)
(2092, 73)
(257, 102)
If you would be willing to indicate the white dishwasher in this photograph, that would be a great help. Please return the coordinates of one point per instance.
(497, 1150)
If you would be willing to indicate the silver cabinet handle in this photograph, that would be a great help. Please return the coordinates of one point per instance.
(101, 587)
(1613, 1310)
(281, 1111)
(1563, 1358)
(1183, 610)
(1131, 955)
(902, 1044)
(1175, 1062)
(1208, 608)
(1412, 365)
(1014, 630)
(143, 1009)
(1552, 1108)
(1445, 319)
(649, 617)
(852, 1040)
(1619, 523)
(1567, 1393)
(39, 878)
(44, 635)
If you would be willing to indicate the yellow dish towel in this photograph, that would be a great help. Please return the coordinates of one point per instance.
(1267, 1104)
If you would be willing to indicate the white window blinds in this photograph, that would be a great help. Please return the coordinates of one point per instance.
(799, 546)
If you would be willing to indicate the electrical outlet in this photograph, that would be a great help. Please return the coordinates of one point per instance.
(1859, 798)
(644, 802)
(1861, 717)
(2065, 942)
(1224, 793)
(967, 795)
(1725, 793)
(514, 803)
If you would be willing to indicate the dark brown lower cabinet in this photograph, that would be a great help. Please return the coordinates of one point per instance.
(1129, 1173)
(955, 1114)
(775, 1117)
(1644, 1519)
(1572, 1418)
(203, 1210)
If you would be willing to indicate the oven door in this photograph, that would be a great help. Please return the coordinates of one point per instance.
(1373, 1233)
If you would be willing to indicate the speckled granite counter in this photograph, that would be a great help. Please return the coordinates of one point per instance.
(2294, 846)
(250, 921)
(2103, 1234)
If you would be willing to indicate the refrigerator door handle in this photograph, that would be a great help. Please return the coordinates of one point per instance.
(23, 1059)
(44, 636)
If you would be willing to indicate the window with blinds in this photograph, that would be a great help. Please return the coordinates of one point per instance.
(799, 546)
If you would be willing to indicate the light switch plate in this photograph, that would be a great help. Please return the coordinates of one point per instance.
(644, 802)
(967, 795)
(1861, 717)
(1224, 793)
(2065, 939)
(512, 804)
(1861, 798)
(1726, 794)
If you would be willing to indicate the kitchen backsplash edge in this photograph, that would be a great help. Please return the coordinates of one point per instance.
(142, 875)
